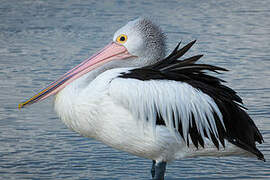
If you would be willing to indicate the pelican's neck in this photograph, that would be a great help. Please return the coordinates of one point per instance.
(78, 85)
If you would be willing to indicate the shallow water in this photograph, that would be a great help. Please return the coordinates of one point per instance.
(40, 40)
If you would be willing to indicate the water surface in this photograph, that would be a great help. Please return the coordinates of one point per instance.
(40, 40)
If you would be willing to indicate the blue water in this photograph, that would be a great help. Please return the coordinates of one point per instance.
(40, 40)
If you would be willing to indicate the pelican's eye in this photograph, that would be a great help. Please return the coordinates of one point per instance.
(122, 38)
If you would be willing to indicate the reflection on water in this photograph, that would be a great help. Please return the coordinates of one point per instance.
(40, 40)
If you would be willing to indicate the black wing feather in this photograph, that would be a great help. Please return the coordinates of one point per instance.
(240, 129)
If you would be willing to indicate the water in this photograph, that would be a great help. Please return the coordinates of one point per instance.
(40, 40)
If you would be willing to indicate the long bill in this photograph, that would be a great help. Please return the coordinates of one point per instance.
(110, 52)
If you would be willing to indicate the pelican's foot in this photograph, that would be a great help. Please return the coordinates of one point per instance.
(153, 169)
(158, 170)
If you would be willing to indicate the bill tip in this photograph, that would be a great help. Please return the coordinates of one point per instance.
(20, 105)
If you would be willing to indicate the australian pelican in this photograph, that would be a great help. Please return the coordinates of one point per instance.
(131, 98)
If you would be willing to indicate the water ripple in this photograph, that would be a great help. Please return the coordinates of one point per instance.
(40, 40)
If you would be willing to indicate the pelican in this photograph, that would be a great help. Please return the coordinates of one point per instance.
(131, 97)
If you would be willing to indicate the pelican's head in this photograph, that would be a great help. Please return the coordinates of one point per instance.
(138, 43)
(143, 39)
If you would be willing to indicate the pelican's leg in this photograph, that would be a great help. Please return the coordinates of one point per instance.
(160, 168)
(153, 169)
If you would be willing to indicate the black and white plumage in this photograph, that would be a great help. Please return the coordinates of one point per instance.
(131, 98)
(223, 118)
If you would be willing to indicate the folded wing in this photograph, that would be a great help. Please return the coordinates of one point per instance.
(181, 96)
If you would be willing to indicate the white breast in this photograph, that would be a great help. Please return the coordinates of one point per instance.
(93, 113)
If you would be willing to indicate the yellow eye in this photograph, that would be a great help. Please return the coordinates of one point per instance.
(122, 38)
